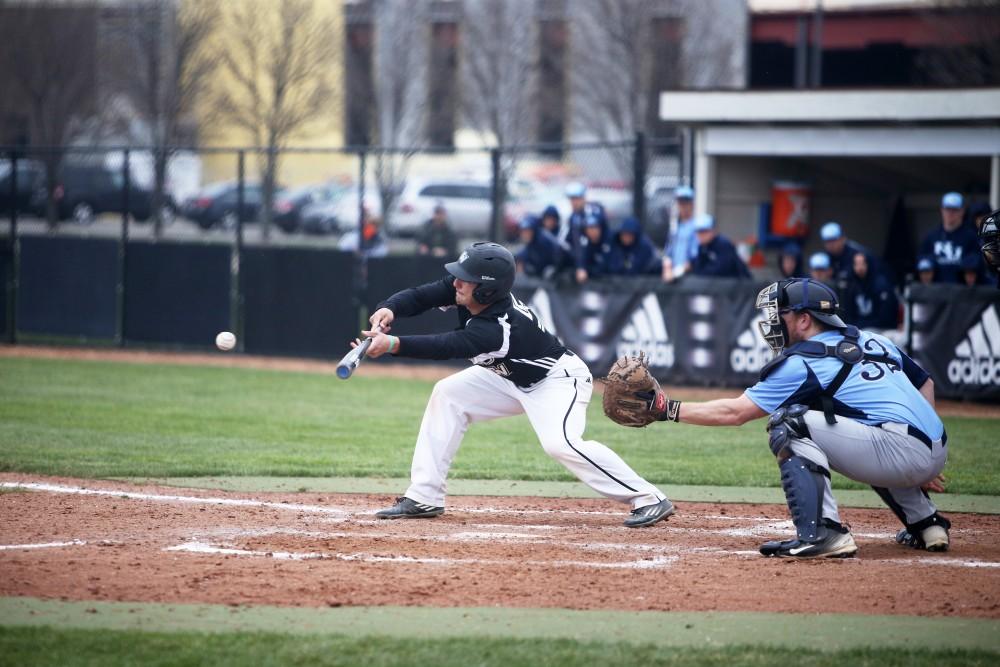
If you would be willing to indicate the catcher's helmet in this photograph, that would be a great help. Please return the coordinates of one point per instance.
(488, 264)
(798, 295)
(989, 240)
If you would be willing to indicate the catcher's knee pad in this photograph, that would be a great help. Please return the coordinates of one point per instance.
(784, 425)
(802, 482)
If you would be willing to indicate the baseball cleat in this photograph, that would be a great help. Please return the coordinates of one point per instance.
(405, 508)
(932, 538)
(650, 514)
(838, 543)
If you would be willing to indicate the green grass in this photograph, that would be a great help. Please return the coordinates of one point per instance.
(103, 419)
(23, 646)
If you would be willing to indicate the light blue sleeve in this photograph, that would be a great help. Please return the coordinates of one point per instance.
(791, 380)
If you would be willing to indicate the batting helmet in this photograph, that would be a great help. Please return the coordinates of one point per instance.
(797, 295)
(989, 240)
(490, 265)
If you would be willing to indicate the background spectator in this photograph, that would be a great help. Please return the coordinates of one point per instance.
(374, 244)
(632, 253)
(717, 255)
(790, 261)
(869, 301)
(596, 250)
(820, 268)
(973, 270)
(541, 256)
(978, 212)
(925, 270)
(572, 230)
(550, 220)
(681, 247)
(437, 238)
(842, 251)
(950, 242)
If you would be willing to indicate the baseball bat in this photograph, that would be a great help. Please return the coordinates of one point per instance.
(350, 362)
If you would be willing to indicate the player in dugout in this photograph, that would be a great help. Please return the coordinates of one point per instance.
(518, 368)
(838, 399)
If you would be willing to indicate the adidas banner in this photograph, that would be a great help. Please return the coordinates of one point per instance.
(955, 336)
(700, 331)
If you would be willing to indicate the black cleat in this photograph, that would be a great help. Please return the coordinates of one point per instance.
(838, 543)
(405, 508)
(650, 514)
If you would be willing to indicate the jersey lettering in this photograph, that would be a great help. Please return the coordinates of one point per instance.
(874, 370)
(526, 311)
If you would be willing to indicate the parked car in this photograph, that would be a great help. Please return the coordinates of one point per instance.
(469, 204)
(84, 191)
(216, 204)
(290, 204)
(30, 179)
(341, 213)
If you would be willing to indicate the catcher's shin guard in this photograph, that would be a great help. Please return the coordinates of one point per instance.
(802, 481)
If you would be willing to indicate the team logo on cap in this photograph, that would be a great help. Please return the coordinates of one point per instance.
(464, 256)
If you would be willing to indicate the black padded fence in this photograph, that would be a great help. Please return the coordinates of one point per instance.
(177, 294)
(388, 275)
(68, 287)
(298, 301)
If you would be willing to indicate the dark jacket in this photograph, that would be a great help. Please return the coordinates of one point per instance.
(718, 258)
(571, 230)
(544, 255)
(594, 257)
(948, 249)
(639, 258)
(438, 236)
(870, 302)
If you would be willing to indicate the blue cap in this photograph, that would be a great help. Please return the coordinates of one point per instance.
(528, 221)
(819, 260)
(925, 264)
(831, 231)
(792, 249)
(630, 225)
(592, 220)
(550, 212)
(952, 200)
(703, 223)
(684, 192)
(576, 189)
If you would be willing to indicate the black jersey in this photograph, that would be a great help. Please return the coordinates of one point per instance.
(506, 337)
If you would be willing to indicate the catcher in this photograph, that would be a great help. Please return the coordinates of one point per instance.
(838, 399)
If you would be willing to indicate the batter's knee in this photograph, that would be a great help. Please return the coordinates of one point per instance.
(558, 448)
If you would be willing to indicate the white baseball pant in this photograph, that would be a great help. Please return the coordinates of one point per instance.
(557, 410)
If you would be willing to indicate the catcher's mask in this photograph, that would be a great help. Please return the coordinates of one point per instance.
(989, 240)
(490, 266)
(795, 295)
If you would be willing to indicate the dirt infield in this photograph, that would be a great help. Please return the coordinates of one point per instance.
(85, 540)
(371, 369)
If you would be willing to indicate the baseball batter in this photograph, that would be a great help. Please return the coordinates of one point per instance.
(518, 368)
(838, 399)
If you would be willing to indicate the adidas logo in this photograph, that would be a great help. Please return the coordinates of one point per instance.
(977, 357)
(751, 352)
(647, 332)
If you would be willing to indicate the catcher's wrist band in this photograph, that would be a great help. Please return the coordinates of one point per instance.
(673, 410)
(392, 344)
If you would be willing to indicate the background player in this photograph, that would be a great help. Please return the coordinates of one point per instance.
(519, 368)
(839, 399)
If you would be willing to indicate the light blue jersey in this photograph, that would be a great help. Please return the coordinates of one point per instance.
(682, 246)
(873, 393)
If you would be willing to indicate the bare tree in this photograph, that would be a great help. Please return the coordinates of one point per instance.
(48, 52)
(162, 65)
(280, 67)
(969, 54)
(500, 74)
(401, 64)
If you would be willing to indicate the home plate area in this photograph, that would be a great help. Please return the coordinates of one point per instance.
(74, 539)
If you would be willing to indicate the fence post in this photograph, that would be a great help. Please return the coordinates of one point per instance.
(495, 195)
(123, 251)
(236, 297)
(639, 179)
(362, 156)
(12, 251)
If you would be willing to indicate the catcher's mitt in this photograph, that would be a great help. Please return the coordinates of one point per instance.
(632, 396)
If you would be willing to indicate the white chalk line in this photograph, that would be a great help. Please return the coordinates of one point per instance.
(201, 547)
(43, 545)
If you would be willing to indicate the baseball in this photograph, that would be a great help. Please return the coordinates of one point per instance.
(225, 341)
